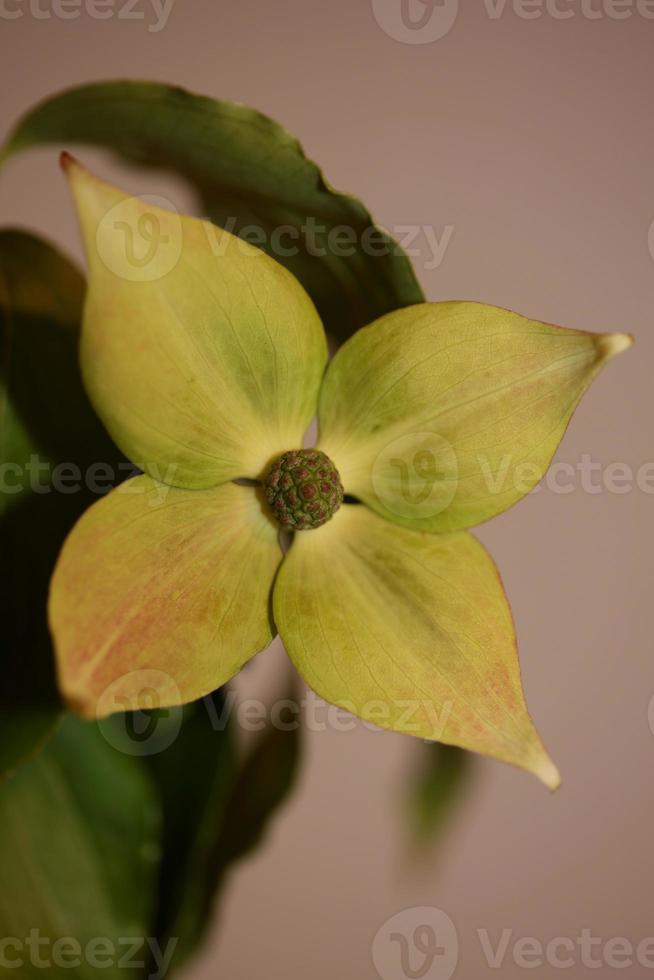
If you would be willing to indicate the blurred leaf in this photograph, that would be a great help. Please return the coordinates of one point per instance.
(23, 732)
(437, 788)
(194, 776)
(262, 785)
(216, 811)
(41, 296)
(44, 408)
(45, 421)
(79, 833)
(249, 173)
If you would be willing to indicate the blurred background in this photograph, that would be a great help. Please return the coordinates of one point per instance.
(518, 139)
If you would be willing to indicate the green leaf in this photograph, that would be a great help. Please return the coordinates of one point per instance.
(410, 631)
(161, 592)
(262, 786)
(204, 357)
(24, 730)
(195, 776)
(441, 416)
(436, 789)
(248, 171)
(216, 811)
(41, 297)
(79, 836)
(46, 422)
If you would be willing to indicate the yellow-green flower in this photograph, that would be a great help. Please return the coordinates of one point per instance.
(207, 361)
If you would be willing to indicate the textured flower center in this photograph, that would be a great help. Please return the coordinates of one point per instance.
(303, 489)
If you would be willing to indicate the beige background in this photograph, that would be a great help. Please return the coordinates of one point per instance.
(533, 138)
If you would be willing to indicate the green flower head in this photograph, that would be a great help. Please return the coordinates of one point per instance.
(303, 489)
(207, 361)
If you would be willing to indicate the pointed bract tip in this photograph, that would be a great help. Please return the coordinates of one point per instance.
(548, 773)
(66, 161)
(614, 343)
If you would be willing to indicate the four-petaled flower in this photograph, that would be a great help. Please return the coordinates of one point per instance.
(207, 361)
